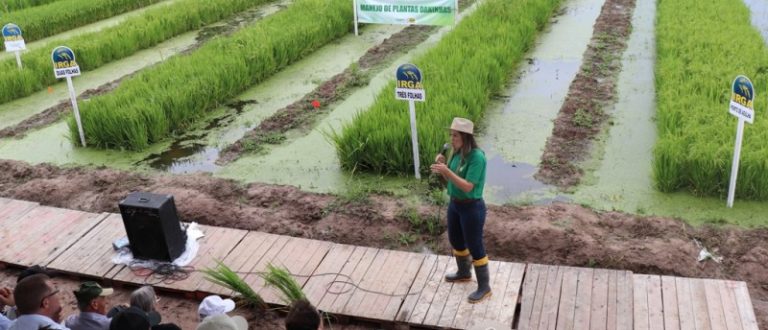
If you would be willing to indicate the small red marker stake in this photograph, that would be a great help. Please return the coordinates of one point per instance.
(316, 104)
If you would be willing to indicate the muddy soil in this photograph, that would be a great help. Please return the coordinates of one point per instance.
(582, 114)
(560, 234)
(172, 307)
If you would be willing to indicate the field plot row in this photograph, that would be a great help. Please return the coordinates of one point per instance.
(43, 21)
(95, 49)
(12, 5)
(697, 61)
(461, 73)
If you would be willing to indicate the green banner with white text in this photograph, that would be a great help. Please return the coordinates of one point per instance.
(409, 12)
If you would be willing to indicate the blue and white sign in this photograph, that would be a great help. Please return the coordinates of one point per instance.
(742, 96)
(13, 40)
(64, 62)
(408, 85)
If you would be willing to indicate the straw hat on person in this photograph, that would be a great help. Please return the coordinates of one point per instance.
(463, 125)
(223, 322)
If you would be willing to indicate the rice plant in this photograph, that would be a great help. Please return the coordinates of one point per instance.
(460, 74)
(13, 5)
(224, 276)
(282, 280)
(154, 103)
(43, 21)
(98, 48)
(701, 47)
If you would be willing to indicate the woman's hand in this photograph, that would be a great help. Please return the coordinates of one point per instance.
(440, 168)
(440, 159)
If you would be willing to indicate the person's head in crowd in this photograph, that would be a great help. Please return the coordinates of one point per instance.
(145, 299)
(303, 316)
(223, 322)
(36, 269)
(92, 298)
(36, 294)
(214, 305)
(131, 318)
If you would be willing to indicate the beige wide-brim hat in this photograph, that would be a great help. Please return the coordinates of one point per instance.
(463, 125)
(223, 322)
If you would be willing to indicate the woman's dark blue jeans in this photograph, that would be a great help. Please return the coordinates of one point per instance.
(465, 227)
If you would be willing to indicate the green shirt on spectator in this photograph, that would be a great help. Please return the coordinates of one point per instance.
(471, 169)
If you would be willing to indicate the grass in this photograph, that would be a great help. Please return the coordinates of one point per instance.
(153, 104)
(282, 280)
(461, 73)
(99, 48)
(42, 21)
(13, 5)
(224, 276)
(698, 56)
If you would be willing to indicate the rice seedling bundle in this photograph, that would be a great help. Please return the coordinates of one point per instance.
(460, 74)
(43, 21)
(13, 5)
(98, 48)
(701, 47)
(156, 102)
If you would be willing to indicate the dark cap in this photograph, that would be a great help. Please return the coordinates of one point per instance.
(132, 318)
(89, 291)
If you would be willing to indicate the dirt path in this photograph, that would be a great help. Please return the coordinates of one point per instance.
(582, 116)
(561, 234)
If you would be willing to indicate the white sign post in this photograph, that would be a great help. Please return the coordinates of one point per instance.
(409, 88)
(14, 42)
(741, 106)
(65, 66)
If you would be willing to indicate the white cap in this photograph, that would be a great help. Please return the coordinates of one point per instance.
(214, 305)
(223, 322)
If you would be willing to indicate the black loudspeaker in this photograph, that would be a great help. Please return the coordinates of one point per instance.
(153, 226)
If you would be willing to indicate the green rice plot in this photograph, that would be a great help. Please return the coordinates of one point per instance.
(460, 75)
(701, 47)
(43, 21)
(12, 5)
(93, 50)
(152, 105)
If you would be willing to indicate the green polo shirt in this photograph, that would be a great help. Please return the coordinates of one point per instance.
(471, 169)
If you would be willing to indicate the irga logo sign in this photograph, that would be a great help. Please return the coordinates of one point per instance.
(742, 96)
(408, 83)
(12, 32)
(64, 63)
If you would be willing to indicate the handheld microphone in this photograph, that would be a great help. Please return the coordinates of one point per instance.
(445, 149)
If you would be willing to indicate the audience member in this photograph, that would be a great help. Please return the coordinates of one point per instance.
(214, 305)
(303, 316)
(223, 322)
(92, 302)
(38, 304)
(6, 302)
(131, 318)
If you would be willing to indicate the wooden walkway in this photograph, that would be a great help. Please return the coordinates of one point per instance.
(408, 286)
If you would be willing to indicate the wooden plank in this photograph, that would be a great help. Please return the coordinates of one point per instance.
(13, 209)
(565, 313)
(581, 315)
(714, 305)
(599, 307)
(512, 294)
(257, 267)
(301, 258)
(418, 288)
(612, 308)
(529, 294)
(92, 255)
(655, 303)
(322, 278)
(459, 293)
(427, 301)
(549, 308)
(500, 272)
(541, 290)
(440, 300)
(467, 309)
(685, 303)
(748, 320)
(700, 311)
(641, 302)
(669, 297)
(377, 278)
(245, 254)
(730, 306)
(624, 301)
(356, 275)
(399, 291)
